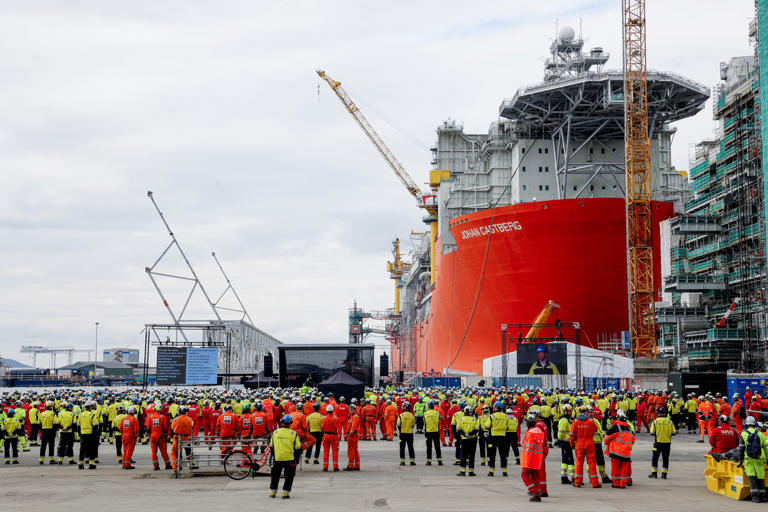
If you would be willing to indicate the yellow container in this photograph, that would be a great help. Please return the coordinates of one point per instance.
(724, 477)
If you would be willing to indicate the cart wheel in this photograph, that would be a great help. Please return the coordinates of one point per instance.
(238, 465)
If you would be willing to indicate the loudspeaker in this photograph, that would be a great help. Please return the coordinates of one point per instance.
(400, 376)
(384, 365)
(268, 372)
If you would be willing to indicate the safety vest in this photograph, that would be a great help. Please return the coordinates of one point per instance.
(499, 424)
(432, 420)
(564, 428)
(405, 421)
(467, 426)
(532, 448)
(315, 422)
(47, 419)
(663, 428)
(621, 444)
(284, 442)
(66, 420)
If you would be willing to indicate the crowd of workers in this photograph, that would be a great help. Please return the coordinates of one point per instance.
(298, 422)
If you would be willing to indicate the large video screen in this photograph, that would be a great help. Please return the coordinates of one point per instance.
(542, 359)
(313, 365)
(191, 366)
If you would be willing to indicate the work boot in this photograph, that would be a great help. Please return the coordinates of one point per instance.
(700, 441)
(53, 461)
(348, 469)
(471, 473)
(306, 461)
(413, 463)
(315, 461)
(92, 466)
(325, 470)
(663, 476)
(545, 494)
(504, 473)
(15, 461)
(460, 474)
(482, 462)
(41, 461)
(535, 497)
(335, 469)
(80, 466)
(157, 468)
(517, 461)
(429, 463)
(167, 467)
(564, 480)
(606, 480)
(653, 475)
(439, 463)
(402, 463)
(272, 494)
(8, 462)
(490, 473)
(61, 462)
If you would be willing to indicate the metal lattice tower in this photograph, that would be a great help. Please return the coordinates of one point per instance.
(642, 318)
(177, 316)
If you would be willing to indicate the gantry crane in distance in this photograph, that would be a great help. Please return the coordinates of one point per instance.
(642, 315)
(426, 201)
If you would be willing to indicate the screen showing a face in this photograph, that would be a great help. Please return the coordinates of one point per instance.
(542, 359)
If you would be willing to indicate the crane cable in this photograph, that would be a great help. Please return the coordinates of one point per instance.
(481, 279)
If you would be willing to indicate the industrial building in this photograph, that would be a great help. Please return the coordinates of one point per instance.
(713, 255)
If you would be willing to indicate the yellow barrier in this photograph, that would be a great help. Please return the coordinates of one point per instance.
(725, 478)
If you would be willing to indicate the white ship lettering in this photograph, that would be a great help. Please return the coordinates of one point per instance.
(502, 227)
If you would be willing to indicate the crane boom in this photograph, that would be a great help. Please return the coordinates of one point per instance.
(642, 317)
(374, 137)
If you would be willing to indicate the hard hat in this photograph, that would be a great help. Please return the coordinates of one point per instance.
(467, 409)
(316, 406)
(11, 412)
(120, 408)
(131, 410)
(498, 405)
(621, 414)
(286, 419)
(750, 421)
(228, 407)
(724, 419)
(329, 409)
(541, 348)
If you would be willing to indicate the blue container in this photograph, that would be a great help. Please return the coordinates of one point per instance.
(593, 383)
(523, 382)
(740, 384)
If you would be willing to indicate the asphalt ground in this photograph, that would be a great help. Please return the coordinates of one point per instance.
(381, 485)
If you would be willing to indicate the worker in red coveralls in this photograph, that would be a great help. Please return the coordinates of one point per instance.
(129, 428)
(642, 416)
(445, 422)
(739, 413)
(453, 409)
(158, 428)
(330, 439)
(205, 419)
(583, 430)
(381, 408)
(194, 415)
(245, 429)
(226, 428)
(543, 469)
(342, 414)
(724, 441)
(534, 454)
(618, 446)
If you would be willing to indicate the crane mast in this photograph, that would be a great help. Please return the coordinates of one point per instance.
(642, 317)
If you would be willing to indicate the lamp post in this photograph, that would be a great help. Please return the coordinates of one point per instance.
(96, 348)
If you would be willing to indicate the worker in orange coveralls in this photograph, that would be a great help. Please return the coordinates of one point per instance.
(342, 414)
(619, 440)
(369, 414)
(299, 425)
(583, 430)
(129, 428)
(158, 428)
(330, 438)
(353, 436)
(390, 418)
(226, 429)
(534, 455)
(706, 413)
(182, 427)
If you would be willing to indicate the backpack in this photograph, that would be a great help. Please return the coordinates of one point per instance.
(743, 412)
(754, 447)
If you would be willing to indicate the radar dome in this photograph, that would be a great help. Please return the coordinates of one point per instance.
(567, 34)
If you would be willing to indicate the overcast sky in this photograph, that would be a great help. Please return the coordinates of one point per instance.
(214, 106)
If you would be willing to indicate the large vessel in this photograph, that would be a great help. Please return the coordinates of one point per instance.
(533, 211)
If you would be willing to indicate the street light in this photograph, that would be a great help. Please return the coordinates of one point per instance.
(96, 348)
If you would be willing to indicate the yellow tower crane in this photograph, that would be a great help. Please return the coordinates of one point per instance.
(426, 201)
(396, 269)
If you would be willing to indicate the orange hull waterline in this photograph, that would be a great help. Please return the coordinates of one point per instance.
(570, 251)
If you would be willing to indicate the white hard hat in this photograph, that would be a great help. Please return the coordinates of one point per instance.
(329, 408)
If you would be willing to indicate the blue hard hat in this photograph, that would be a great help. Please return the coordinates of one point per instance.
(287, 419)
(498, 404)
(541, 348)
(11, 412)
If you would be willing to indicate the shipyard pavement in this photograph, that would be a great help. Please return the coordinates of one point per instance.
(381, 485)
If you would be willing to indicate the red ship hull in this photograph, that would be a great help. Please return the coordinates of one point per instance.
(570, 251)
